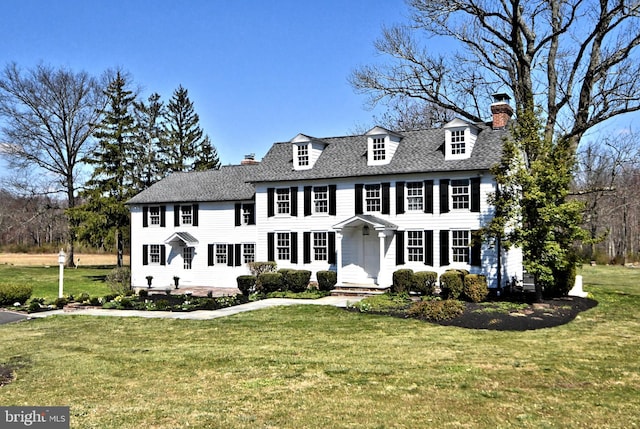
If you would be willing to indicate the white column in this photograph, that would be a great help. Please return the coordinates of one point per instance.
(61, 261)
(381, 271)
(339, 264)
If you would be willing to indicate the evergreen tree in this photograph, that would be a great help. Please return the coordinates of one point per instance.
(206, 156)
(148, 138)
(104, 214)
(532, 210)
(185, 140)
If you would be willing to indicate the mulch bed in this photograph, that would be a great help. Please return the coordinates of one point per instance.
(547, 314)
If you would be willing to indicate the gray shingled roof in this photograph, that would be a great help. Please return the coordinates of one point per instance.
(229, 183)
(418, 151)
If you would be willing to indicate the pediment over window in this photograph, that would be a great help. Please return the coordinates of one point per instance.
(306, 151)
(381, 145)
(459, 138)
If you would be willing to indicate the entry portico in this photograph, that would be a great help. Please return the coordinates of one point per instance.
(362, 246)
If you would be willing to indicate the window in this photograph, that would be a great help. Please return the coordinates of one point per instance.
(154, 215)
(303, 155)
(414, 196)
(415, 246)
(247, 213)
(460, 246)
(283, 247)
(187, 215)
(320, 252)
(249, 252)
(282, 201)
(321, 199)
(457, 142)
(154, 253)
(372, 198)
(221, 253)
(379, 153)
(460, 194)
(187, 257)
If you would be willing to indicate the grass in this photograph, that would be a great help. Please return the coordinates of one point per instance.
(313, 366)
(45, 280)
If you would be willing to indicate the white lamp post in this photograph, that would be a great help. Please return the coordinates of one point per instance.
(61, 261)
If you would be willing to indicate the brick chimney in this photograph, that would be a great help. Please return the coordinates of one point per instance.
(501, 110)
(249, 160)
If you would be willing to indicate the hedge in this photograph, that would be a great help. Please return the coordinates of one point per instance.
(326, 280)
(247, 284)
(270, 282)
(451, 284)
(402, 281)
(10, 293)
(424, 282)
(475, 288)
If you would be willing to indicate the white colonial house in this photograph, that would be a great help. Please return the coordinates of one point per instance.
(363, 206)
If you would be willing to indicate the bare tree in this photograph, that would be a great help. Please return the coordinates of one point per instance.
(49, 116)
(576, 59)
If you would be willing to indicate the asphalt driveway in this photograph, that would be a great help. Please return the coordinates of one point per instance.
(10, 316)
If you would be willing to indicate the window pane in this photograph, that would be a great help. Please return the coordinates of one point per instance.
(321, 199)
(414, 196)
(282, 201)
(415, 246)
(221, 253)
(460, 246)
(320, 246)
(282, 246)
(460, 194)
(372, 198)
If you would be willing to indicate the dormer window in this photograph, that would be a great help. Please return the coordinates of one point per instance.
(306, 151)
(381, 145)
(303, 155)
(457, 142)
(459, 139)
(378, 149)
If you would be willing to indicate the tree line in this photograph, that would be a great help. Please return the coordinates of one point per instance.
(83, 145)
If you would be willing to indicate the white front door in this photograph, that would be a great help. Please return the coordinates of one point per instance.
(371, 256)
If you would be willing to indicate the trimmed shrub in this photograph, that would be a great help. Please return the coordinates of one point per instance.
(285, 277)
(475, 288)
(451, 284)
(258, 268)
(424, 282)
(297, 280)
(10, 293)
(402, 281)
(143, 293)
(326, 280)
(119, 280)
(60, 302)
(270, 282)
(83, 297)
(436, 309)
(247, 284)
(564, 279)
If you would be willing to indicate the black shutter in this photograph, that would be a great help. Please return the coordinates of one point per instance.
(145, 217)
(306, 244)
(399, 247)
(332, 247)
(294, 200)
(428, 247)
(252, 213)
(145, 254)
(307, 200)
(163, 255)
(476, 249)
(475, 194)
(271, 250)
(358, 196)
(428, 196)
(444, 195)
(332, 200)
(195, 209)
(230, 254)
(444, 248)
(238, 212)
(163, 216)
(294, 247)
(238, 252)
(399, 197)
(270, 202)
(176, 215)
(210, 255)
(386, 204)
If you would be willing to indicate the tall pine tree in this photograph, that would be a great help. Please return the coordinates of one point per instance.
(148, 137)
(186, 145)
(104, 215)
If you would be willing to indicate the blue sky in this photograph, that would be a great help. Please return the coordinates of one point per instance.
(258, 71)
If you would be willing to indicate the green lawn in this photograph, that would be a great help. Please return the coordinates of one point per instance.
(44, 280)
(321, 367)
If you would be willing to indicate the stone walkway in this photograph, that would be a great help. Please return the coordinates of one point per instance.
(336, 301)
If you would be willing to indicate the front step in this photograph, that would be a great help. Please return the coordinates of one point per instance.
(352, 289)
